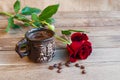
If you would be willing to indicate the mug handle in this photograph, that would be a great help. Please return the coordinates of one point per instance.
(20, 45)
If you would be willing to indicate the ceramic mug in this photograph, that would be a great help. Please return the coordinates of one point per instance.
(39, 45)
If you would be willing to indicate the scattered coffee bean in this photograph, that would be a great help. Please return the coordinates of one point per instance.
(59, 71)
(82, 67)
(77, 65)
(83, 72)
(59, 67)
(66, 64)
(55, 65)
(60, 64)
(50, 67)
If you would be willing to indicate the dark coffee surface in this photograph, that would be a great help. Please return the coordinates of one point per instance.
(40, 35)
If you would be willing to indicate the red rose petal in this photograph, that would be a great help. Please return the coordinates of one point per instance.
(72, 58)
(75, 45)
(78, 36)
(72, 53)
(80, 48)
(70, 50)
(84, 36)
(86, 50)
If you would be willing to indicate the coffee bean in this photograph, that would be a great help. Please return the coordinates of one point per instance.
(83, 72)
(50, 67)
(59, 71)
(55, 65)
(59, 67)
(67, 64)
(77, 65)
(60, 64)
(82, 67)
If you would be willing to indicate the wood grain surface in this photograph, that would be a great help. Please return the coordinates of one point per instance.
(66, 5)
(102, 64)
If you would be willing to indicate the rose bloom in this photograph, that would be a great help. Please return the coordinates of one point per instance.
(79, 36)
(80, 48)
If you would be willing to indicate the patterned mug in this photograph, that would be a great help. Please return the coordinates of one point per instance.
(39, 45)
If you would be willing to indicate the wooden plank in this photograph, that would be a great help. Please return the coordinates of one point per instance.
(78, 5)
(40, 73)
(98, 42)
(38, 3)
(7, 6)
(102, 62)
(94, 22)
(83, 18)
(84, 14)
(8, 44)
(99, 36)
(93, 31)
(88, 14)
(99, 5)
(74, 6)
(114, 5)
(66, 22)
(83, 5)
(99, 56)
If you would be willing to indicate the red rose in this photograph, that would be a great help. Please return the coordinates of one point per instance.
(80, 48)
(79, 36)
(85, 50)
(73, 51)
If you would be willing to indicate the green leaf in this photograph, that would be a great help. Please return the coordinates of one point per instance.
(29, 10)
(21, 17)
(38, 24)
(34, 17)
(66, 32)
(17, 6)
(15, 26)
(76, 30)
(50, 20)
(26, 24)
(10, 24)
(48, 12)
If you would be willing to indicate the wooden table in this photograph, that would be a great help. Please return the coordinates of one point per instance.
(102, 64)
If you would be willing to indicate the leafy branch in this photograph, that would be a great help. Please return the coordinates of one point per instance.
(38, 18)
